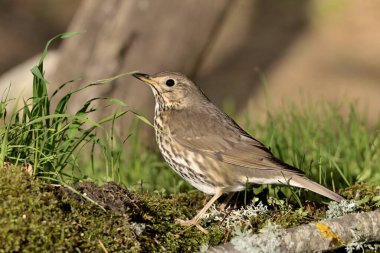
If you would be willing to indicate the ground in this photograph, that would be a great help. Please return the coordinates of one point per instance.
(40, 217)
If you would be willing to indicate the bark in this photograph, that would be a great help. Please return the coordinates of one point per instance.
(313, 237)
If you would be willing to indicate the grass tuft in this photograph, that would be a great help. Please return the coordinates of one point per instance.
(48, 137)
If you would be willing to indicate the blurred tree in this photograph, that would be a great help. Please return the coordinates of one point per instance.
(224, 45)
(25, 26)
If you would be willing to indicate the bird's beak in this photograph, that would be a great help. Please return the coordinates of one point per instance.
(144, 77)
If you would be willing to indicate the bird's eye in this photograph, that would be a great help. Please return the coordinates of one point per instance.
(170, 82)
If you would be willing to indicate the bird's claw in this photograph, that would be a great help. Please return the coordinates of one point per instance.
(189, 223)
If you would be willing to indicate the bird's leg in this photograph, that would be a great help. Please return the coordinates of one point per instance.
(194, 221)
(225, 202)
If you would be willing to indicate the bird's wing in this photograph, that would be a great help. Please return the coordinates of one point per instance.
(218, 136)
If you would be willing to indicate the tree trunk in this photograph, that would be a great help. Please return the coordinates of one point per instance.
(149, 36)
(219, 43)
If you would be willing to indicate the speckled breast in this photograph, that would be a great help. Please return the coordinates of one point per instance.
(189, 165)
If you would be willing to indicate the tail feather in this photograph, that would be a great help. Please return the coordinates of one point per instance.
(306, 183)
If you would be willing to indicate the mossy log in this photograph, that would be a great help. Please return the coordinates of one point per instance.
(313, 237)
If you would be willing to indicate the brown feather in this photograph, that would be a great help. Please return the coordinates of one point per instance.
(229, 144)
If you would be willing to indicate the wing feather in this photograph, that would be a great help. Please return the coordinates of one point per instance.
(226, 141)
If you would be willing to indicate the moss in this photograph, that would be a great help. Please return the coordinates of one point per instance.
(37, 217)
(366, 195)
(162, 233)
(155, 214)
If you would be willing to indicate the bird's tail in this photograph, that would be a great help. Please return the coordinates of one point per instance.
(306, 183)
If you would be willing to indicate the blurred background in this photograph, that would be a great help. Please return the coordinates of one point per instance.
(250, 55)
(309, 63)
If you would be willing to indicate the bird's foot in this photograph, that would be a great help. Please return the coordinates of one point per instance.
(222, 207)
(192, 222)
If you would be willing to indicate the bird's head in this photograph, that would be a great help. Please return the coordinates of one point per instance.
(173, 90)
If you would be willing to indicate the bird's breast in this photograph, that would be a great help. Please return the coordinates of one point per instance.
(190, 165)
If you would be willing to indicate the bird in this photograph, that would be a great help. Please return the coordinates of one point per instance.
(209, 149)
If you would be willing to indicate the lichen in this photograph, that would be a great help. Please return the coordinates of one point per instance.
(233, 218)
(326, 232)
(359, 244)
(336, 209)
(246, 241)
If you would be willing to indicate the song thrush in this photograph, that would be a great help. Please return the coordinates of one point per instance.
(209, 149)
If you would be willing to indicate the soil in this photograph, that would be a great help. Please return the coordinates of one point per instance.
(110, 196)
